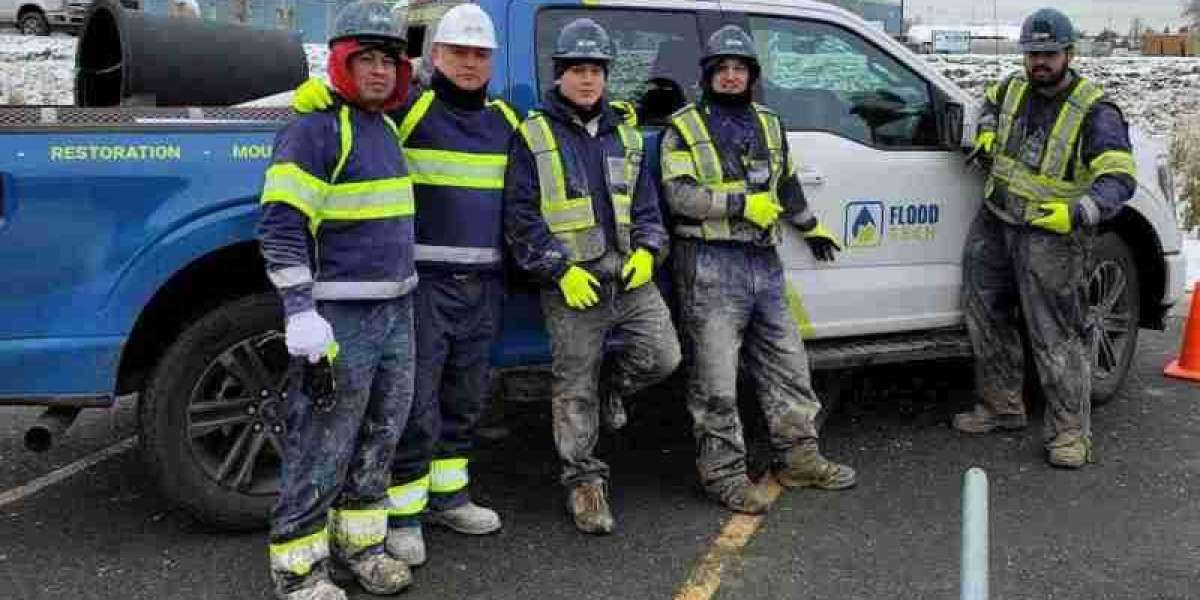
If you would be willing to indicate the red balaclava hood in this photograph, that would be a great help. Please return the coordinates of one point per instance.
(343, 81)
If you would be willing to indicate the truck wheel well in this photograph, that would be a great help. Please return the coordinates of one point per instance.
(28, 8)
(1146, 248)
(192, 292)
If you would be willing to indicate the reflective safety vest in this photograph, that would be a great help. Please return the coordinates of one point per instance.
(368, 254)
(457, 160)
(573, 219)
(702, 162)
(1049, 181)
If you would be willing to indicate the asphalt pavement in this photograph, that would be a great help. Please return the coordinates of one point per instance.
(1126, 527)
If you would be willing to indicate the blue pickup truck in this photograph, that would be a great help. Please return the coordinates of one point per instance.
(130, 265)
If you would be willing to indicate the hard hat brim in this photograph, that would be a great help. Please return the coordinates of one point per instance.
(1044, 46)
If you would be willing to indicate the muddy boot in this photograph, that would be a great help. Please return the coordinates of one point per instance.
(805, 467)
(1070, 453)
(982, 420)
(314, 586)
(470, 518)
(742, 496)
(379, 573)
(588, 503)
(407, 544)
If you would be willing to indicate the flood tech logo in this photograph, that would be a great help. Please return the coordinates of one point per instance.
(864, 224)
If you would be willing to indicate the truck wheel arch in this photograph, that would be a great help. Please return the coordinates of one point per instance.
(1139, 235)
(200, 286)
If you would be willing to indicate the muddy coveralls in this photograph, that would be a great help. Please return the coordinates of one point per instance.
(734, 296)
(1023, 279)
(337, 236)
(456, 145)
(601, 206)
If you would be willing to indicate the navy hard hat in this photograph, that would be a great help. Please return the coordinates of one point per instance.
(370, 20)
(729, 41)
(1047, 30)
(583, 40)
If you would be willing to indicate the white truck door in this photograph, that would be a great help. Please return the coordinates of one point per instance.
(863, 130)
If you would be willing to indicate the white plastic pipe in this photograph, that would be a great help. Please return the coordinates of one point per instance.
(974, 567)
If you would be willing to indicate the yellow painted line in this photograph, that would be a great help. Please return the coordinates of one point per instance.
(705, 579)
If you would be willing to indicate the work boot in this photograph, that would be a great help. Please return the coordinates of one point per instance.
(314, 586)
(743, 496)
(1070, 453)
(407, 544)
(379, 573)
(981, 419)
(469, 518)
(805, 467)
(588, 503)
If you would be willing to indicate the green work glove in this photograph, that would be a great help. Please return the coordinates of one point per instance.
(312, 95)
(577, 288)
(1056, 217)
(638, 269)
(985, 142)
(821, 242)
(761, 210)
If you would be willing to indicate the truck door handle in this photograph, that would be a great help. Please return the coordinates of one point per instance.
(810, 176)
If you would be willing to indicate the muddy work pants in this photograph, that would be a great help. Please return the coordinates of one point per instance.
(336, 459)
(1023, 280)
(458, 316)
(646, 352)
(733, 305)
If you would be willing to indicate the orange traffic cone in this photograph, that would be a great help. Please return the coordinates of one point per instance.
(1188, 364)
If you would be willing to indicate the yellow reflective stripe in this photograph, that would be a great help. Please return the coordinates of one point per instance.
(456, 169)
(772, 129)
(408, 499)
(355, 530)
(414, 116)
(993, 93)
(626, 111)
(544, 147)
(1066, 129)
(509, 114)
(678, 163)
(623, 206)
(1008, 112)
(377, 199)
(299, 555)
(292, 185)
(346, 138)
(1023, 182)
(562, 214)
(704, 153)
(569, 215)
(799, 313)
(1113, 162)
(448, 475)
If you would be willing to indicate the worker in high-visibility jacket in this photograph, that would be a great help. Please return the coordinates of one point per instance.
(336, 234)
(1060, 164)
(581, 214)
(456, 145)
(729, 180)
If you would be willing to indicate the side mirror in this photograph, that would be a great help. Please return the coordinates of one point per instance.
(950, 125)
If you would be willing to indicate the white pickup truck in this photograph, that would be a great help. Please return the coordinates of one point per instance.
(40, 17)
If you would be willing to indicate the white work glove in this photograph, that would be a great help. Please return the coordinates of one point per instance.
(309, 335)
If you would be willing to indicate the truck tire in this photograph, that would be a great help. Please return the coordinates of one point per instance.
(33, 22)
(1115, 307)
(212, 417)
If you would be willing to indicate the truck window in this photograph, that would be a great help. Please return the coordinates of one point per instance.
(656, 65)
(824, 78)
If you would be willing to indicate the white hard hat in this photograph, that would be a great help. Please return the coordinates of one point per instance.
(466, 25)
